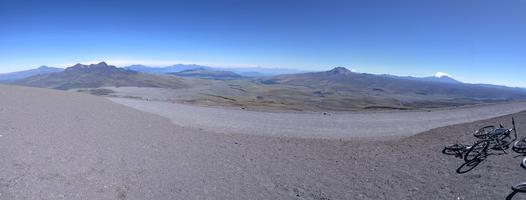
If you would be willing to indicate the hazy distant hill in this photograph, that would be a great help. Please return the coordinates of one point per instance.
(248, 72)
(208, 74)
(164, 70)
(99, 75)
(260, 71)
(14, 76)
(441, 79)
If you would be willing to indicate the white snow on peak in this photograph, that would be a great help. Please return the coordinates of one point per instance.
(442, 74)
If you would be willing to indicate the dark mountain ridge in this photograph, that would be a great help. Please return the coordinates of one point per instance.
(99, 75)
(100, 68)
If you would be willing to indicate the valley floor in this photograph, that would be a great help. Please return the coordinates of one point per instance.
(62, 145)
(279, 98)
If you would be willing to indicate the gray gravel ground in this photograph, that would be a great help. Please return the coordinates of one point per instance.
(379, 125)
(59, 145)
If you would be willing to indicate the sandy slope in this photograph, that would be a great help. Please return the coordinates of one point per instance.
(316, 125)
(58, 145)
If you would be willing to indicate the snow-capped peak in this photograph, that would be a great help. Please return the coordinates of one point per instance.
(442, 74)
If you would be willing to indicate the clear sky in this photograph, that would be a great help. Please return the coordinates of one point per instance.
(473, 40)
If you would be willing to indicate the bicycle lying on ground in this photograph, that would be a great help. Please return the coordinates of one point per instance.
(496, 139)
(489, 138)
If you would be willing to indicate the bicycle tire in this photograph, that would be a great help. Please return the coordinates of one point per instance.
(477, 150)
(523, 163)
(519, 188)
(519, 146)
(511, 195)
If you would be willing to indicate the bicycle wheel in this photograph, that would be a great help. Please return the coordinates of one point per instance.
(519, 188)
(523, 163)
(511, 195)
(476, 151)
(453, 149)
(519, 146)
(483, 132)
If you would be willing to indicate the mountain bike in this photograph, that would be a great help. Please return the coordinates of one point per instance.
(491, 139)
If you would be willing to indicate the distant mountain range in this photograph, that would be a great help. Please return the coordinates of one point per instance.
(336, 89)
(164, 70)
(199, 71)
(14, 76)
(441, 79)
(406, 89)
(98, 75)
(205, 73)
(243, 72)
(248, 72)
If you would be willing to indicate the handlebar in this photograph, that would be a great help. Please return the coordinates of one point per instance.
(513, 122)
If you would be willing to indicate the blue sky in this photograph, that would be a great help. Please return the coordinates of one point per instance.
(473, 40)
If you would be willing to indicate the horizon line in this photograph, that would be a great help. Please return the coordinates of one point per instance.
(170, 63)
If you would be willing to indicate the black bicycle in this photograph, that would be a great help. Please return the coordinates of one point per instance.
(488, 138)
(496, 139)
